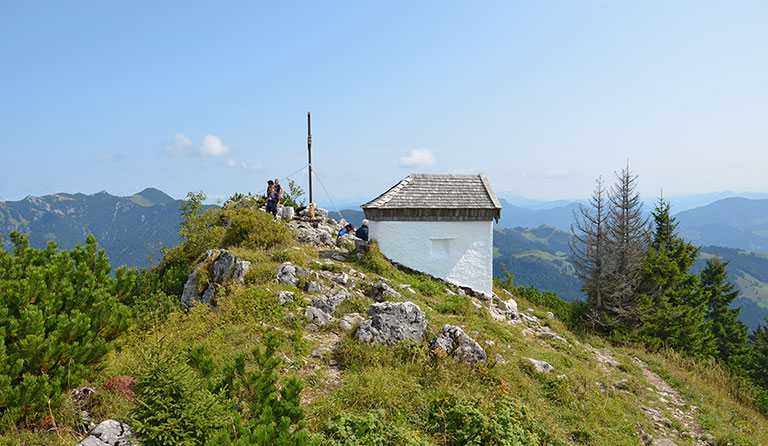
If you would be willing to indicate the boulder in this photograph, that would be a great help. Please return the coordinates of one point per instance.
(541, 366)
(458, 344)
(382, 292)
(222, 267)
(285, 297)
(287, 274)
(328, 302)
(287, 213)
(392, 323)
(312, 287)
(110, 433)
(317, 316)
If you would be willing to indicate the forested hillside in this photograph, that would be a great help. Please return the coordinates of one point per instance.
(130, 229)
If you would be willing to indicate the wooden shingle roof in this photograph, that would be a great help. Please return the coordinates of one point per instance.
(425, 197)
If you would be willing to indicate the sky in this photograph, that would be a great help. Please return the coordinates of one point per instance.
(542, 96)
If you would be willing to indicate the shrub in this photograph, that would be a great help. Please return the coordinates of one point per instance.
(461, 421)
(374, 261)
(253, 229)
(428, 286)
(456, 304)
(349, 429)
(270, 415)
(58, 312)
(173, 405)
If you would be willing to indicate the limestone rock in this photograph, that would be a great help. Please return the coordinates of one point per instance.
(287, 213)
(382, 292)
(110, 433)
(312, 287)
(287, 274)
(285, 297)
(328, 302)
(663, 442)
(392, 323)
(458, 344)
(541, 366)
(317, 316)
(222, 267)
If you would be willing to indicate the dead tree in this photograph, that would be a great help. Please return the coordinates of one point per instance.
(627, 243)
(588, 245)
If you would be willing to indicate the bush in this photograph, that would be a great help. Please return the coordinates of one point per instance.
(173, 405)
(270, 415)
(462, 421)
(252, 229)
(456, 304)
(374, 261)
(349, 429)
(58, 312)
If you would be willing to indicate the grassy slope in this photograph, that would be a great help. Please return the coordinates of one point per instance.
(404, 384)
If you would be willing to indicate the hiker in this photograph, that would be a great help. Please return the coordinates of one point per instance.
(362, 232)
(346, 230)
(270, 183)
(278, 190)
(271, 200)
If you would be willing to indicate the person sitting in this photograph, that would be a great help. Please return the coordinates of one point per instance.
(271, 201)
(362, 232)
(346, 230)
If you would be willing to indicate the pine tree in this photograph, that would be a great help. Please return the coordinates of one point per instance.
(58, 311)
(626, 236)
(673, 304)
(588, 245)
(758, 358)
(729, 332)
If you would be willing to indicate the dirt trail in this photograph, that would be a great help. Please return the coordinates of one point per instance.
(683, 427)
(322, 373)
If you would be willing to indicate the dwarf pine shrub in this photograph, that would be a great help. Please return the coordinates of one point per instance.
(58, 312)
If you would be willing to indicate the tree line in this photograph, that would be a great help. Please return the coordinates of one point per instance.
(637, 275)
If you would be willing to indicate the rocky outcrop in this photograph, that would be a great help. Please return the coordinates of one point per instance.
(392, 322)
(287, 213)
(110, 433)
(288, 274)
(329, 301)
(220, 267)
(458, 344)
(382, 292)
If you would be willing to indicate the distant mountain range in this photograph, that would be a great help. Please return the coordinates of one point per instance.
(128, 228)
(531, 242)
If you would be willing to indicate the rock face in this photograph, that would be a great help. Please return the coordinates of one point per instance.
(458, 344)
(392, 323)
(287, 274)
(110, 433)
(221, 267)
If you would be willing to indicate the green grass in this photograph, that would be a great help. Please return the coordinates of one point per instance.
(410, 395)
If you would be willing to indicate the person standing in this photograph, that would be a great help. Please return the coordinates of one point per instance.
(278, 190)
(271, 201)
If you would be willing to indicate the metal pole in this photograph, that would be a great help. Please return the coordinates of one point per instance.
(309, 151)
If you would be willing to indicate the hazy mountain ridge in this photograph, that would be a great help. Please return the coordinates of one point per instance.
(124, 226)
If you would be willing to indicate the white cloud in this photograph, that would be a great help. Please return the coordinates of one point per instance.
(213, 147)
(418, 158)
(231, 163)
(180, 146)
(556, 173)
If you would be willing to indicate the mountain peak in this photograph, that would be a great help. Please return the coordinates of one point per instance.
(151, 196)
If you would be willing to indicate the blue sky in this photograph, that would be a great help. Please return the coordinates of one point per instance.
(542, 96)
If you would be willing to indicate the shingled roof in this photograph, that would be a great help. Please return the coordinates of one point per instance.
(435, 197)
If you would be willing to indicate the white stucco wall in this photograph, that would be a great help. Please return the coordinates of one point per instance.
(460, 252)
